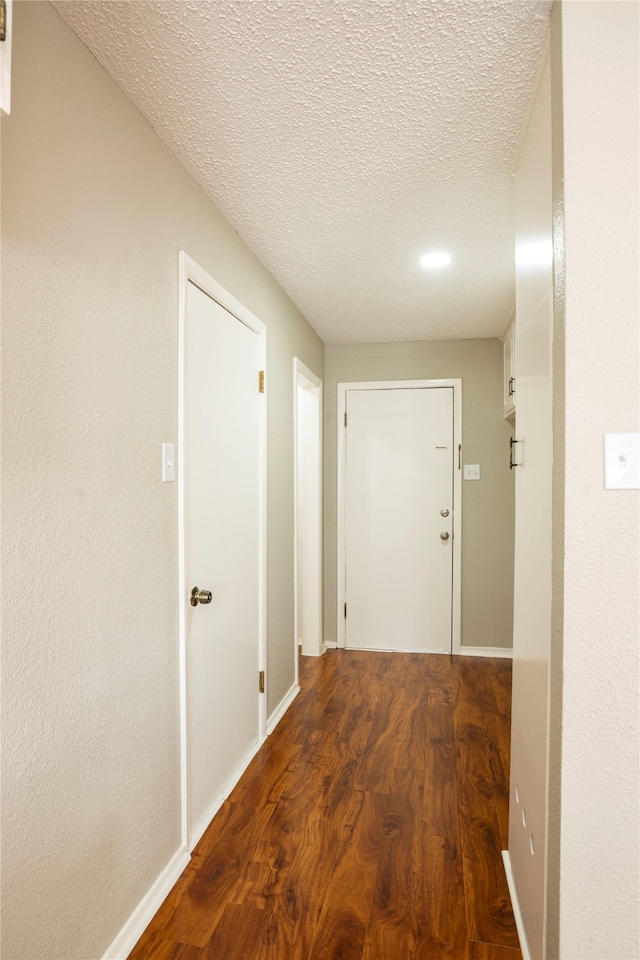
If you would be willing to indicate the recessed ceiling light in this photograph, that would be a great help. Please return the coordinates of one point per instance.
(432, 261)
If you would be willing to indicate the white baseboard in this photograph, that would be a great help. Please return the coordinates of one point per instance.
(282, 708)
(329, 645)
(148, 907)
(515, 903)
(505, 652)
(215, 806)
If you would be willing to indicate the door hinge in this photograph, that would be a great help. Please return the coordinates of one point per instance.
(261, 381)
(3, 20)
(459, 456)
(512, 386)
(345, 610)
(261, 681)
(345, 418)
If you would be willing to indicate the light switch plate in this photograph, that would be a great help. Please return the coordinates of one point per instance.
(168, 462)
(472, 471)
(621, 461)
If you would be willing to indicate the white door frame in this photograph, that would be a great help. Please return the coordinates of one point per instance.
(456, 383)
(299, 369)
(190, 272)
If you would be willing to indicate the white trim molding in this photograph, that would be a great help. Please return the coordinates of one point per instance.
(314, 384)
(148, 907)
(456, 601)
(190, 272)
(508, 325)
(200, 827)
(505, 653)
(515, 903)
(282, 708)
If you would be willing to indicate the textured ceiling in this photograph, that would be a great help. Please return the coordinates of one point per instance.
(344, 138)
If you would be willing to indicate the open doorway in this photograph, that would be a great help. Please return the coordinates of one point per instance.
(308, 509)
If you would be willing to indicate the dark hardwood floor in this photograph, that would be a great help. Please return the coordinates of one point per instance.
(368, 827)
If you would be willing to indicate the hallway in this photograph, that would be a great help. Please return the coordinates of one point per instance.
(368, 827)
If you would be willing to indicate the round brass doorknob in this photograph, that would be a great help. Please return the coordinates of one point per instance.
(444, 535)
(200, 596)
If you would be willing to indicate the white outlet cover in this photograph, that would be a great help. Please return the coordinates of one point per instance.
(472, 471)
(621, 461)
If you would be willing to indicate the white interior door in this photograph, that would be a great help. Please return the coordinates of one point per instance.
(399, 546)
(222, 550)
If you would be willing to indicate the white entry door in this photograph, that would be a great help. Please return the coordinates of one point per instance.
(222, 550)
(399, 519)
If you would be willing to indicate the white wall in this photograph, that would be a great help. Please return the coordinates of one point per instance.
(532, 577)
(94, 212)
(487, 505)
(594, 888)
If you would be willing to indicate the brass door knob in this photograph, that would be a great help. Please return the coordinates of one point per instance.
(444, 535)
(200, 596)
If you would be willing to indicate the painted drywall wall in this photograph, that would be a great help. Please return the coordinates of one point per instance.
(594, 855)
(532, 567)
(94, 211)
(487, 505)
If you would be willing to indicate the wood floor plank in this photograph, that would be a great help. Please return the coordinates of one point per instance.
(440, 805)
(444, 680)
(295, 909)
(343, 920)
(240, 934)
(150, 940)
(441, 932)
(376, 764)
(498, 734)
(412, 726)
(259, 781)
(489, 913)
(199, 911)
(155, 947)
(499, 777)
(368, 827)
(318, 840)
(392, 923)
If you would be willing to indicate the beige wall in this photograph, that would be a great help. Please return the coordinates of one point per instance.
(487, 505)
(94, 212)
(594, 851)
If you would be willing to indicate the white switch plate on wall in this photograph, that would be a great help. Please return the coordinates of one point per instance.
(621, 461)
(472, 471)
(168, 462)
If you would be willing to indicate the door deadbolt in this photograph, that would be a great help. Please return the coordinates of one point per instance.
(200, 596)
(444, 512)
(444, 535)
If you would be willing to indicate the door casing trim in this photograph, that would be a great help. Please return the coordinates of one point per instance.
(315, 383)
(190, 272)
(456, 600)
